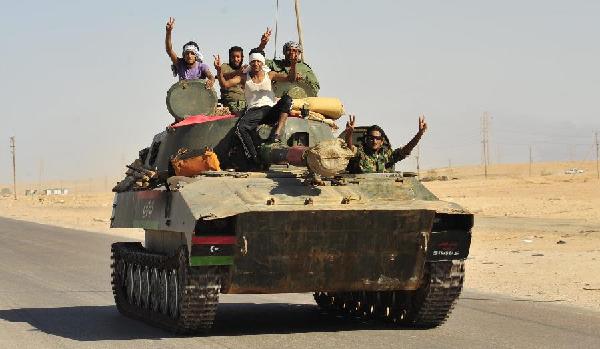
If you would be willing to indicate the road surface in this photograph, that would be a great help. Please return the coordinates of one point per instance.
(55, 293)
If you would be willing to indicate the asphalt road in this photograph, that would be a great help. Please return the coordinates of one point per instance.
(55, 293)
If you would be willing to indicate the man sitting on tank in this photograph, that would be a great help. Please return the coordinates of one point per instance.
(262, 107)
(190, 67)
(375, 154)
(292, 51)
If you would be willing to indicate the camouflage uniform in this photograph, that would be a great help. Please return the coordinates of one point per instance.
(232, 97)
(303, 69)
(368, 161)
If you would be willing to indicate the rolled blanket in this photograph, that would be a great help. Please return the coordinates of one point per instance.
(329, 106)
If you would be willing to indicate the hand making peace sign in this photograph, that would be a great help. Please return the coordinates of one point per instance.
(264, 39)
(350, 123)
(170, 24)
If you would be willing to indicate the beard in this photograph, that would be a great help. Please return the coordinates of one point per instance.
(235, 66)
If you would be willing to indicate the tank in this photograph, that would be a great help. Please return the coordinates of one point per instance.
(376, 246)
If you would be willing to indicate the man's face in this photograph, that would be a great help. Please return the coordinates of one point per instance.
(236, 59)
(374, 140)
(292, 54)
(256, 66)
(189, 57)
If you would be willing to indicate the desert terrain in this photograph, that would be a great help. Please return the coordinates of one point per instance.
(536, 236)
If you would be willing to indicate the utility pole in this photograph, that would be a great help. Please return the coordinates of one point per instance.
(14, 163)
(485, 142)
(530, 161)
(40, 175)
(597, 148)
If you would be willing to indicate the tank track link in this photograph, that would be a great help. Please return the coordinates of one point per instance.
(427, 307)
(164, 291)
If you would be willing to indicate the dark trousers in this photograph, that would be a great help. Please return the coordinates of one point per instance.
(253, 117)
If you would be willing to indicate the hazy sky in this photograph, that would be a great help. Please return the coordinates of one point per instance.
(83, 83)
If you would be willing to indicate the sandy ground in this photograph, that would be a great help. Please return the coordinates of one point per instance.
(536, 237)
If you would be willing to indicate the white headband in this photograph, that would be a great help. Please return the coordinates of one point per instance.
(257, 57)
(195, 50)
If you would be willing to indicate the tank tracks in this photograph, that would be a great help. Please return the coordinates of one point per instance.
(427, 307)
(164, 291)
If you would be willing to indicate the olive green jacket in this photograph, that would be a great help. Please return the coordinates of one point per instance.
(303, 69)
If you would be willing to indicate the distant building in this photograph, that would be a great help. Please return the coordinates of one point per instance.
(55, 191)
(5, 192)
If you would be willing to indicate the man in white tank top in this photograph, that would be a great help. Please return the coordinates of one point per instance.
(262, 107)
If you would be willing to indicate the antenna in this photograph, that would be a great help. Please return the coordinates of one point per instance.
(276, 28)
(13, 151)
(299, 26)
(418, 157)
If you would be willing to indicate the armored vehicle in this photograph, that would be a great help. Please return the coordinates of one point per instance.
(369, 245)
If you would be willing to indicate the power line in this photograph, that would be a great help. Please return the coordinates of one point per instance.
(533, 134)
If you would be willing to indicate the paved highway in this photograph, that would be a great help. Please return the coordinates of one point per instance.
(55, 293)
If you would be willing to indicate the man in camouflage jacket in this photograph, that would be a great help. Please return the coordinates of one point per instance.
(375, 154)
(292, 51)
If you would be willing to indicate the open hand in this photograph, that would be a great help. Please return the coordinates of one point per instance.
(422, 124)
(209, 83)
(170, 24)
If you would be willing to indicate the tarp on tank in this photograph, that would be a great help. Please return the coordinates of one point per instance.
(199, 119)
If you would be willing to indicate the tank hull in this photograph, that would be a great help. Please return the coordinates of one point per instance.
(301, 248)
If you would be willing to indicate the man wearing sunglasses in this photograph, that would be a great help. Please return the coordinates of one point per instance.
(375, 154)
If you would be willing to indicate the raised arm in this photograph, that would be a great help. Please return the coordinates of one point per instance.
(264, 39)
(168, 42)
(210, 79)
(225, 82)
(350, 130)
(282, 76)
(403, 152)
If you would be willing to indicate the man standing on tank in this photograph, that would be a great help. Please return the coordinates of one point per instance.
(262, 106)
(375, 154)
(292, 51)
(233, 97)
(190, 67)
